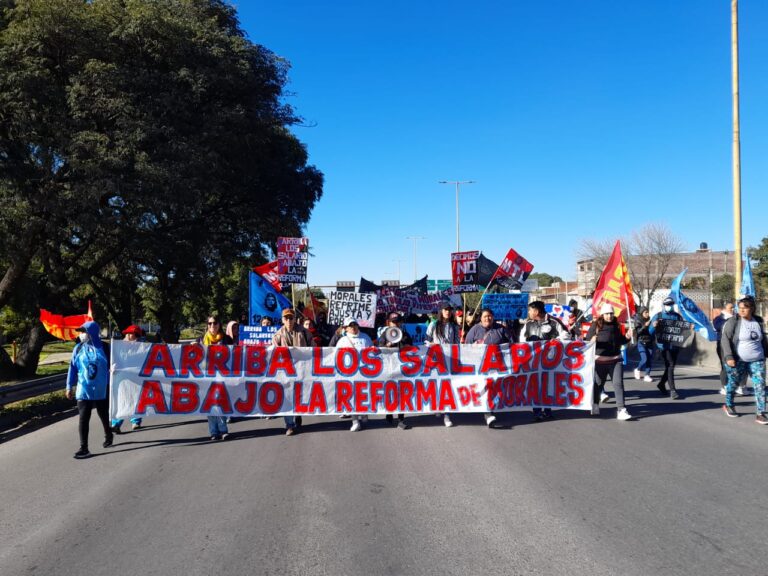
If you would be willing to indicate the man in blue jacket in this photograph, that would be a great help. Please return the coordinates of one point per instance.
(89, 371)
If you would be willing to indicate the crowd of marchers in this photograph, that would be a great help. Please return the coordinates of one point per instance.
(741, 347)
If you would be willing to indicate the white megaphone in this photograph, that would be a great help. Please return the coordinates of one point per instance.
(393, 335)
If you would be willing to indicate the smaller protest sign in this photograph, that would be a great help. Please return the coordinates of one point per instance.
(417, 332)
(360, 306)
(507, 306)
(464, 267)
(257, 335)
(675, 332)
(292, 257)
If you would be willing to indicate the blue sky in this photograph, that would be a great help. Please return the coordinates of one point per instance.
(575, 118)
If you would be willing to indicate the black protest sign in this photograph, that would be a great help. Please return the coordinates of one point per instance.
(674, 332)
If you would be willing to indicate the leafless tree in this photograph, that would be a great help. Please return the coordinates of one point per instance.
(648, 252)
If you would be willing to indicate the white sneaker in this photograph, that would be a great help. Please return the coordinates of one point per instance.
(355, 425)
(489, 419)
(603, 397)
(637, 374)
(647, 378)
(595, 410)
(447, 421)
(722, 391)
(740, 390)
(623, 414)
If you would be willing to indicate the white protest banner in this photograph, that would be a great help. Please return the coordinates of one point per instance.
(162, 379)
(507, 306)
(292, 257)
(360, 306)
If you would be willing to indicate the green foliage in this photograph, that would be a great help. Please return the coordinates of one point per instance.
(545, 279)
(723, 286)
(145, 160)
(759, 255)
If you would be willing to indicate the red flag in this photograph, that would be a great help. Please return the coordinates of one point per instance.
(513, 271)
(614, 288)
(64, 327)
(268, 271)
(316, 307)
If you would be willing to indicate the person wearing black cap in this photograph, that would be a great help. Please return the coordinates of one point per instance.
(89, 371)
(131, 334)
(395, 320)
(668, 352)
(745, 349)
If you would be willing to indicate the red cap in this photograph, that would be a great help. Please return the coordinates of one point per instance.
(133, 329)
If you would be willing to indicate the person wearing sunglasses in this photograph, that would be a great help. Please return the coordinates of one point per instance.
(215, 336)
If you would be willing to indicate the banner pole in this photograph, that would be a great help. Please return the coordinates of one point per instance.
(293, 296)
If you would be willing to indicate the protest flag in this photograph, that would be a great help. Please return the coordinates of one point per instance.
(264, 301)
(689, 311)
(486, 270)
(315, 307)
(269, 272)
(614, 287)
(513, 271)
(64, 327)
(747, 283)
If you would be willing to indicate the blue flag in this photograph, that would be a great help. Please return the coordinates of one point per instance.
(747, 284)
(265, 301)
(689, 311)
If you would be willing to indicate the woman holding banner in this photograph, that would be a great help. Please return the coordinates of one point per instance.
(215, 336)
(444, 330)
(606, 333)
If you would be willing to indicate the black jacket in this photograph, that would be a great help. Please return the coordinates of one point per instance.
(729, 343)
(609, 338)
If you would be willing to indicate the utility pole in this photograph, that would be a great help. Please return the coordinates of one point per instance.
(736, 146)
(458, 183)
(415, 240)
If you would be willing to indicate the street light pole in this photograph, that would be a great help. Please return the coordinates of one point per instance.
(415, 240)
(736, 145)
(458, 183)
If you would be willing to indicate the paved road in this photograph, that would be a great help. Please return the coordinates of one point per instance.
(679, 491)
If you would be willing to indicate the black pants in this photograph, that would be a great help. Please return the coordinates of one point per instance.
(723, 375)
(670, 359)
(616, 370)
(85, 407)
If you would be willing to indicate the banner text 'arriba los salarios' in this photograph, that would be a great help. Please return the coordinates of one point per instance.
(257, 381)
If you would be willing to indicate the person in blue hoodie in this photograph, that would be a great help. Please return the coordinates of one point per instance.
(89, 371)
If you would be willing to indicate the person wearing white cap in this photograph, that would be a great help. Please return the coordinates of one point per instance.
(606, 333)
(668, 352)
(353, 338)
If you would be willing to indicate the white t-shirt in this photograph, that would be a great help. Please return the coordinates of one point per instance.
(750, 348)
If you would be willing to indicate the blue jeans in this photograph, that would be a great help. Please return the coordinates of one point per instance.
(217, 425)
(646, 355)
(290, 421)
(736, 374)
(120, 421)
